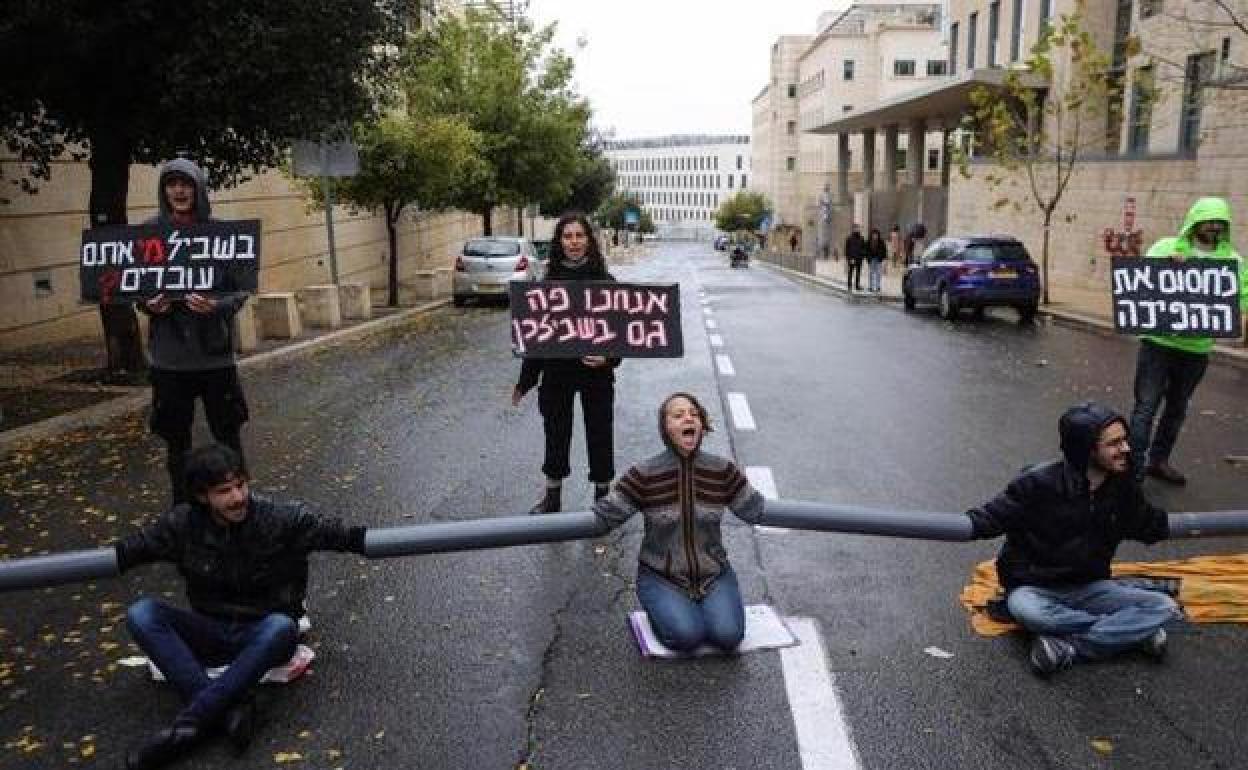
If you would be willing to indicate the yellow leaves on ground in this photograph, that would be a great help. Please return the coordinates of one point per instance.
(283, 757)
(1103, 746)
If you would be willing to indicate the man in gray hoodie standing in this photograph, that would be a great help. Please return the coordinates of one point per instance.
(190, 340)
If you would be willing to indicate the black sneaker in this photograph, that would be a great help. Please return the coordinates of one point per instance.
(240, 725)
(551, 502)
(165, 747)
(1155, 645)
(1049, 654)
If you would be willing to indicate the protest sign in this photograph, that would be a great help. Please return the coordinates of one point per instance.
(1192, 297)
(124, 263)
(560, 319)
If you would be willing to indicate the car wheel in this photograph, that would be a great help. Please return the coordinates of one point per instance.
(1027, 313)
(458, 300)
(948, 308)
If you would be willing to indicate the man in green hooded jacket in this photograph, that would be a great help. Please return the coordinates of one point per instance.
(1170, 367)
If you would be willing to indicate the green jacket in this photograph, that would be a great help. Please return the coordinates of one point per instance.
(1203, 210)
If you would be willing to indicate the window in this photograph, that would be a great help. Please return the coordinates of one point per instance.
(717, 163)
(792, 90)
(1016, 31)
(847, 108)
(847, 71)
(791, 128)
(901, 158)
(1199, 68)
(1141, 111)
(994, 22)
(743, 181)
(953, 48)
(1224, 58)
(1150, 8)
(730, 178)
(790, 163)
(971, 24)
(903, 68)
(937, 67)
(739, 161)
(1046, 15)
(933, 159)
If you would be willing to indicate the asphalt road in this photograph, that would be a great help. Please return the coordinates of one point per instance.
(522, 656)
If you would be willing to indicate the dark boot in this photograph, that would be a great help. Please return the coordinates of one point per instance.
(240, 725)
(601, 491)
(165, 746)
(1166, 472)
(551, 502)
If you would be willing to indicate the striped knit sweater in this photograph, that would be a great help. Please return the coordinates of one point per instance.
(682, 500)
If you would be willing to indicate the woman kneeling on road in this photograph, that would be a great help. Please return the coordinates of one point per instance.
(684, 581)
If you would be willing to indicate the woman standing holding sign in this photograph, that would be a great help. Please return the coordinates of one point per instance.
(574, 256)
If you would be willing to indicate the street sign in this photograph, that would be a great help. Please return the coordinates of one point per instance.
(332, 159)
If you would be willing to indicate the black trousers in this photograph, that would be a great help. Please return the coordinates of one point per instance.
(854, 279)
(173, 412)
(555, 401)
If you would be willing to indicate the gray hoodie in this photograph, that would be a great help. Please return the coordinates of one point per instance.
(181, 340)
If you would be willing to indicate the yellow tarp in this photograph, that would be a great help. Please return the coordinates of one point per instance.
(1212, 589)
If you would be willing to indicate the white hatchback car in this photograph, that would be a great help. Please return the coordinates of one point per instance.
(489, 263)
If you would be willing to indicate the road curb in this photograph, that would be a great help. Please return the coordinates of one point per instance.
(99, 414)
(828, 285)
(1222, 355)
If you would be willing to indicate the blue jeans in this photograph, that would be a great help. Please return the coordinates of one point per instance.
(1161, 372)
(1100, 619)
(183, 643)
(682, 623)
(875, 269)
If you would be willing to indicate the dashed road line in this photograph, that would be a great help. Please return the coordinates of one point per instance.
(823, 739)
(717, 341)
(710, 324)
(742, 418)
(761, 479)
(725, 365)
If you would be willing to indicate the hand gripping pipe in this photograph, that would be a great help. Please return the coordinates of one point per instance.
(382, 542)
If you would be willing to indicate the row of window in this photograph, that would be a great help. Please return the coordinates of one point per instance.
(902, 68)
(709, 200)
(674, 215)
(687, 163)
(698, 181)
(1018, 19)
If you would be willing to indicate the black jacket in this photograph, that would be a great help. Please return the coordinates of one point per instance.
(567, 371)
(243, 571)
(855, 246)
(1057, 531)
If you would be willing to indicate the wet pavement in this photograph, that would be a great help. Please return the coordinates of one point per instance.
(521, 656)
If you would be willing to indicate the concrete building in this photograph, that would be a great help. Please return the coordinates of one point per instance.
(681, 180)
(776, 142)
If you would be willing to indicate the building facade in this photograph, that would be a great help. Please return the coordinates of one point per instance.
(776, 140)
(681, 180)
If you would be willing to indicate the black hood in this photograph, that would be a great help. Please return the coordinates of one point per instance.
(1080, 428)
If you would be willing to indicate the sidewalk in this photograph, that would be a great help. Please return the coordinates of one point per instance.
(1084, 309)
(56, 388)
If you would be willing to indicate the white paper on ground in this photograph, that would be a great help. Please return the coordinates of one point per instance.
(296, 667)
(936, 652)
(764, 630)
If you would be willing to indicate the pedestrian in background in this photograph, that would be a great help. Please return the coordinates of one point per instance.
(793, 241)
(684, 580)
(895, 245)
(1170, 367)
(877, 252)
(916, 243)
(574, 256)
(190, 340)
(855, 252)
(1062, 522)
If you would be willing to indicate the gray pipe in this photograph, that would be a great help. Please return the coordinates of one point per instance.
(857, 520)
(1209, 524)
(57, 568)
(480, 533)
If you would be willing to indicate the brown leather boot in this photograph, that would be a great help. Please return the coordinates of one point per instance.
(1167, 473)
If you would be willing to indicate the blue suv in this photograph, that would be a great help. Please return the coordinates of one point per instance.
(974, 271)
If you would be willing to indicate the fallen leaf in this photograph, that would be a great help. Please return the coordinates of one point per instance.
(1103, 746)
(282, 757)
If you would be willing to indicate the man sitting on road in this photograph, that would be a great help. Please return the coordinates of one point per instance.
(244, 560)
(1062, 522)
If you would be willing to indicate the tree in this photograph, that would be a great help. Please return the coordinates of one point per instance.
(141, 81)
(407, 160)
(592, 183)
(744, 211)
(507, 83)
(1044, 133)
(647, 222)
(612, 212)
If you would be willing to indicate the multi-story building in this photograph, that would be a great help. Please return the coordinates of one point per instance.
(775, 133)
(681, 180)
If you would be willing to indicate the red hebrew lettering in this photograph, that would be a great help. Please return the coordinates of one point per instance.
(108, 284)
(153, 251)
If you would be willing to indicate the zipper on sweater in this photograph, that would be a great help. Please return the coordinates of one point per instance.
(686, 515)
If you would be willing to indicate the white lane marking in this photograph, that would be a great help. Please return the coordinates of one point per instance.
(741, 416)
(708, 311)
(823, 739)
(710, 324)
(761, 479)
(716, 341)
(725, 365)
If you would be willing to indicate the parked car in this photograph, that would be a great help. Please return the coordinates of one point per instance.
(974, 271)
(488, 264)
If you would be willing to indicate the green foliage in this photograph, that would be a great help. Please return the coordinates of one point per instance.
(743, 211)
(229, 83)
(591, 184)
(646, 225)
(611, 212)
(510, 86)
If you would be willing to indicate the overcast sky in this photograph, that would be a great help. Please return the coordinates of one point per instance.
(657, 67)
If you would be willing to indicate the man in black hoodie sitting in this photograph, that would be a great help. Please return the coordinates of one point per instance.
(1062, 522)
